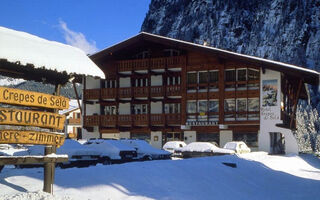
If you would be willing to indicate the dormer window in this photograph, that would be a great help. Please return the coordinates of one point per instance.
(171, 52)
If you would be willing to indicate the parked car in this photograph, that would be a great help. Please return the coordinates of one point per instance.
(112, 151)
(237, 146)
(145, 151)
(78, 154)
(174, 147)
(201, 149)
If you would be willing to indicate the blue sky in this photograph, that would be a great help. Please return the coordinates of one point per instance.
(88, 24)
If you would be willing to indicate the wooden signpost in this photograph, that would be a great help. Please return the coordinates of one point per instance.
(35, 118)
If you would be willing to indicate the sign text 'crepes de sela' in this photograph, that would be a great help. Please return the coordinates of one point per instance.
(30, 137)
(31, 118)
(36, 99)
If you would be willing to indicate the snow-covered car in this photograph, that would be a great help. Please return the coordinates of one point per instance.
(112, 151)
(79, 155)
(174, 147)
(145, 151)
(237, 146)
(200, 149)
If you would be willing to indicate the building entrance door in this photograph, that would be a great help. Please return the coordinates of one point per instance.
(277, 143)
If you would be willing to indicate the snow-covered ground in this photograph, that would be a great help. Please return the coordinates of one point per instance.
(257, 176)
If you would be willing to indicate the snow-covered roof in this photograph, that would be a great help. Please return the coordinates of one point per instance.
(73, 106)
(24, 48)
(311, 76)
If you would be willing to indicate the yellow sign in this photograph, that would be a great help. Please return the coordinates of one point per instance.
(30, 137)
(27, 98)
(31, 118)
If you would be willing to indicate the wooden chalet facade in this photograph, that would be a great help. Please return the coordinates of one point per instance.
(162, 89)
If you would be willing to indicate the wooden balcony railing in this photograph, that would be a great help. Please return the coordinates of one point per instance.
(124, 120)
(173, 90)
(91, 94)
(157, 119)
(108, 120)
(153, 63)
(140, 91)
(91, 120)
(140, 120)
(156, 91)
(74, 121)
(173, 119)
(109, 93)
(125, 93)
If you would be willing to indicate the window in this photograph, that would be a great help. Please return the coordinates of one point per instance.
(171, 52)
(191, 107)
(202, 106)
(241, 74)
(230, 75)
(110, 84)
(139, 109)
(229, 106)
(251, 139)
(241, 107)
(253, 106)
(213, 106)
(173, 80)
(208, 137)
(172, 108)
(141, 136)
(78, 115)
(142, 55)
(141, 82)
(192, 77)
(110, 110)
(213, 76)
(253, 74)
(203, 77)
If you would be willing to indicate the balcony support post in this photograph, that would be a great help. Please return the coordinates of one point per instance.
(293, 114)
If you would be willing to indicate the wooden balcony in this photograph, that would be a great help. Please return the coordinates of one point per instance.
(173, 90)
(140, 120)
(108, 120)
(173, 119)
(91, 94)
(74, 121)
(91, 120)
(125, 92)
(157, 119)
(139, 92)
(153, 63)
(156, 91)
(124, 120)
(109, 93)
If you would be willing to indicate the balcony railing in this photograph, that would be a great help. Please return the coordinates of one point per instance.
(156, 91)
(91, 94)
(140, 120)
(124, 120)
(157, 119)
(140, 91)
(153, 63)
(173, 119)
(75, 121)
(125, 93)
(173, 90)
(109, 93)
(108, 120)
(91, 120)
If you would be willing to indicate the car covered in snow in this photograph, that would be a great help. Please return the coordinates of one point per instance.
(201, 149)
(112, 151)
(78, 154)
(145, 151)
(237, 146)
(174, 147)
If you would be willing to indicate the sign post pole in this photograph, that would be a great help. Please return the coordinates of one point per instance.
(49, 168)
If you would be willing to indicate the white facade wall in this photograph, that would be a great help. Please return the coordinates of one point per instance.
(270, 115)
(124, 82)
(156, 80)
(125, 135)
(124, 108)
(87, 135)
(225, 136)
(92, 83)
(156, 107)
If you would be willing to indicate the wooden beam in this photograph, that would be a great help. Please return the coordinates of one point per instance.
(293, 114)
(27, 160)
(77, 95)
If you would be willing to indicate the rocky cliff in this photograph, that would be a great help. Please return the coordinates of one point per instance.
(281, 30)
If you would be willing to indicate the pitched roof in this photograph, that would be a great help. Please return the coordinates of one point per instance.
(310, 76)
